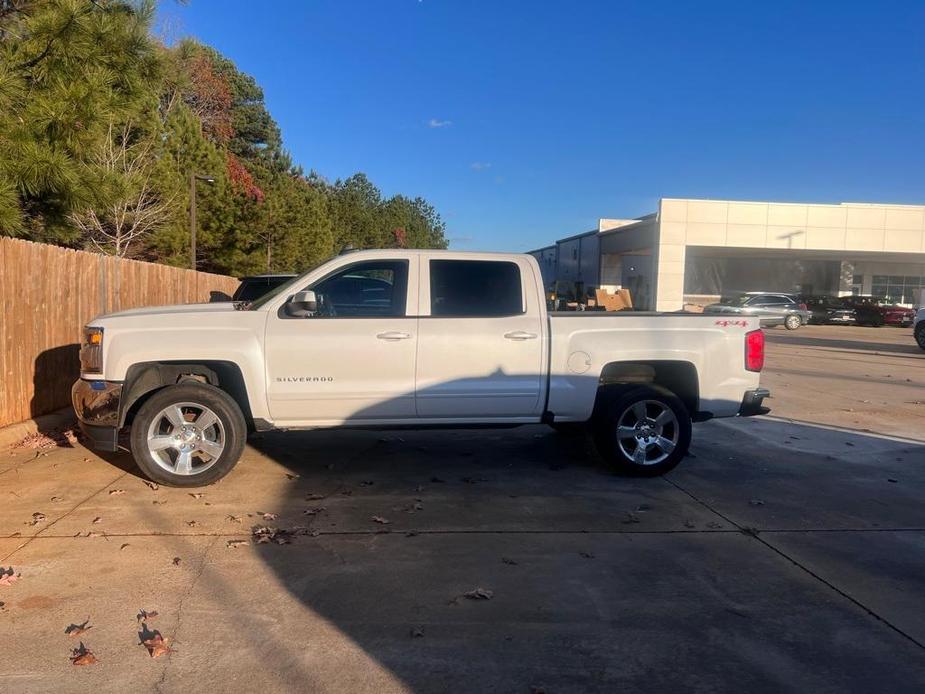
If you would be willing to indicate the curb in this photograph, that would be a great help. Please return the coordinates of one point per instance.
(14, 433)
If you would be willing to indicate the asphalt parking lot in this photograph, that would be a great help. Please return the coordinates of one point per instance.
(785, 554)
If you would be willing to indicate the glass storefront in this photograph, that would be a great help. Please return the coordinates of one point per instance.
(899, 289)
(727, 275)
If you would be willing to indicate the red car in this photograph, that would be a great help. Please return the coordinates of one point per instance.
(870, 310)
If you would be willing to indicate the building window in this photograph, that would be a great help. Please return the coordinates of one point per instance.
(900, 289)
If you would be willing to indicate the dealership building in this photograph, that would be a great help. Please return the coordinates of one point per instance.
(696, 251)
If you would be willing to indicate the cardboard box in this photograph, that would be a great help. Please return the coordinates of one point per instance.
(618, 301)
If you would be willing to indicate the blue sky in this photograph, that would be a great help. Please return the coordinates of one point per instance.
(525, 121)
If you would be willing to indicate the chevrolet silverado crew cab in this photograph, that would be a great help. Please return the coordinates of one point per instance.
(407, 338)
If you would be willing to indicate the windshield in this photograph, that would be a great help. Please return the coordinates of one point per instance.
(735, 300)
(283, 288)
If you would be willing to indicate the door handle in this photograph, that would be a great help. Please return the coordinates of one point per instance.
(393, 336)
(520, 335)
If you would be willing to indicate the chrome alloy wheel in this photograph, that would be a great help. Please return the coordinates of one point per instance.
(647, 432)
(186, 438)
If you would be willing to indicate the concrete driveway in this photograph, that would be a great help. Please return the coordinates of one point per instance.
(781, 556)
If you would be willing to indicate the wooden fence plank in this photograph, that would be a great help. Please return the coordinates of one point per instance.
(47, 295)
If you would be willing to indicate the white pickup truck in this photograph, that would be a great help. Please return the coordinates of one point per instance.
(408, 338)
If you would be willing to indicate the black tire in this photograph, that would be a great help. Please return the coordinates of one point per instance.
(618, 454)
(569, 428)
(232, 426)
(792, 322)
(920, 334)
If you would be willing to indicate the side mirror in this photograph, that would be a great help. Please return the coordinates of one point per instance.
(302, 304)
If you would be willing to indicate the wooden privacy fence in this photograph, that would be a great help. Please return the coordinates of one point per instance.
(49, 293)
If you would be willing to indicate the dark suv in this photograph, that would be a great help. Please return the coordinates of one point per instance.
(829, 309)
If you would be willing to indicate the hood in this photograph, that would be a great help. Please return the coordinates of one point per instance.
(173, 309)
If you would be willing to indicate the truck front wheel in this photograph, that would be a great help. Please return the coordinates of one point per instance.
(188, 435)
(643, 431)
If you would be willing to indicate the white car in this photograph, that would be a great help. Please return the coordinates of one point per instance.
(408, 338)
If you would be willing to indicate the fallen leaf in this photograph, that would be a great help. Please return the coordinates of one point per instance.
(153, 485)
(689, 524)
(890, 479)
(417, 633)
(479, 594)
(196, 495)
(314, 511)
(191, 523)
(290, 476)
(156, 502)
(113, 492)
(268, 516)
(37, 518)
(314, 497)
(367, 483)
(56, 498)
(124, 545)
(98, 519)
(630, 518)
(380, 519)
(144, 615)
(77, 629)
(231, 544)
(587, 555)
(714, 524)
(266, 535)
(156, 645)
(176, 561)
(83, 656)
(755, 502)
(8, 576)
(508, 560)
(235, 519)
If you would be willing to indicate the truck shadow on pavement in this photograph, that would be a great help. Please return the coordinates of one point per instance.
(850, 345)
(778, 556)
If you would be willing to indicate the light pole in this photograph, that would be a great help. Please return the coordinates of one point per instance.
(193, 177)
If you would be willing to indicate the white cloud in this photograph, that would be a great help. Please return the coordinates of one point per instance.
(480, 165)
(437, 123)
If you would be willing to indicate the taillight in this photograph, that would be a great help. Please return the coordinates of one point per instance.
(754, 350)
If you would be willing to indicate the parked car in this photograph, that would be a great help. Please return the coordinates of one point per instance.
(255, 286)
(873, 311)
(918, 327)
(408, 338)
(828, 309)
(770, 308)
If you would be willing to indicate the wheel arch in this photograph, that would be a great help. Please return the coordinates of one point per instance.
(144, 379)
(678, 376)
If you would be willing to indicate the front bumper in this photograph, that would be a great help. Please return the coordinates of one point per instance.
(97, 406)
(751, 402)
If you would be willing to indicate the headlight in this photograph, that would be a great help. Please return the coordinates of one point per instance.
(91, 351)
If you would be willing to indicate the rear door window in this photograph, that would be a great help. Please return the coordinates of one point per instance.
(475, 289)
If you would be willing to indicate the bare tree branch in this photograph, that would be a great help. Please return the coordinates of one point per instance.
(138, 211)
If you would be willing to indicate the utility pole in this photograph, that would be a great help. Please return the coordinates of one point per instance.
(193, 177)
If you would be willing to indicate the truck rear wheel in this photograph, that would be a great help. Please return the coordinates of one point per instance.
(643, 431)
(188, 435)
